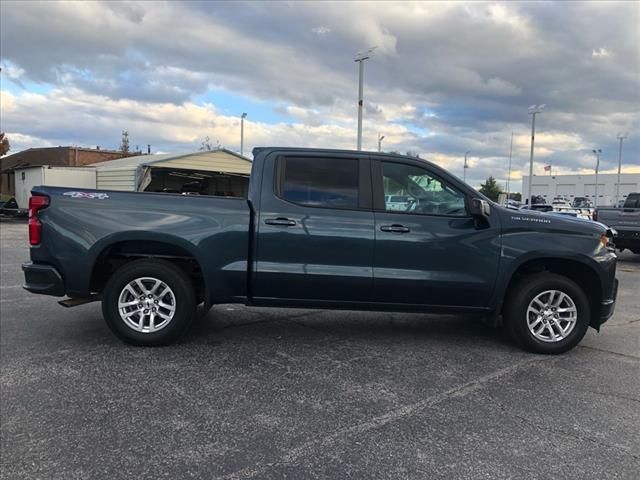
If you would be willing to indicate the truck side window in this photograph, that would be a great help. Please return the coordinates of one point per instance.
(411, 189)
(321, 182)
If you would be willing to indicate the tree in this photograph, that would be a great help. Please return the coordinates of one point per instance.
(124, 146)
(206, 144)
(491, 189)
(4, 145)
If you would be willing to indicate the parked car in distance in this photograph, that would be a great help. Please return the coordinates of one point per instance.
(581, 202)
(562, 206)
(625, 221)
(316, 232)
(396, 202)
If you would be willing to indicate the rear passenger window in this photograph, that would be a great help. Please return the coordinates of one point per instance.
(321, 182)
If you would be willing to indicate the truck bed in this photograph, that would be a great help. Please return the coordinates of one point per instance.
(79, 225)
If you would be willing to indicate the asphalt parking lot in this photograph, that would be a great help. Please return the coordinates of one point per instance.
(252, 393)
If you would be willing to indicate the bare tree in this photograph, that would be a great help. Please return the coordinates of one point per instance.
(206, 144)
(124, 146)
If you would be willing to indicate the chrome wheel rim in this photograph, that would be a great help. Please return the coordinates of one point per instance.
(552, 316)
(146, 305)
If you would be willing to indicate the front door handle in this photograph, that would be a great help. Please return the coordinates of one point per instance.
(280, 221)
(395, 228)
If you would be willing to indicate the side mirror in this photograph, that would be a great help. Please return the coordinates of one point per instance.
(479, 208)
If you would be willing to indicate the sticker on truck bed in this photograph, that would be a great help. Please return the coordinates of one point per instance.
(99, 196)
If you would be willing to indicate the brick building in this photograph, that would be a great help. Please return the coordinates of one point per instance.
(52, 156)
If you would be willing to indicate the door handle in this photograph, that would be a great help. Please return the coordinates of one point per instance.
(280, 221)
(395, 228)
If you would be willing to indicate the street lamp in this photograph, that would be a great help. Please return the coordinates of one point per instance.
(466, 165)
(533, 111)
(380, 138)
(509, 174)
(360, 58)
(242, 117)
(597, 153)
(620, 137)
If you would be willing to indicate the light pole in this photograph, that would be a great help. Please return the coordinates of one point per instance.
(533, 111)
(242, 117)
(360, 58)
(380, 138)
(620, 137)
(466, 165)
(597, 153)
(509, 174)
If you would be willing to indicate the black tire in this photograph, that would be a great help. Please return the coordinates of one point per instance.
(172, 276)
(523, 293)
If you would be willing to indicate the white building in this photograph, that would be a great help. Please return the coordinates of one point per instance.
(571, 186)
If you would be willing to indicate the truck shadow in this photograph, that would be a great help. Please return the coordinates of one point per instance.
(231, 323)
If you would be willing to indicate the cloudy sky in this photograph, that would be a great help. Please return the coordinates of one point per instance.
(445, 78)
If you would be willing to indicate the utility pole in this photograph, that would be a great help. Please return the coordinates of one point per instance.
(360, 58)
(509, 174)
(380, 138)
(533, 111)
(242, 117)
(466, 165)
(620, 137)
(597, 153)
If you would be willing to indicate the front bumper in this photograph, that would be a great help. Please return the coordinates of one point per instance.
(43, 279)
(608, 306)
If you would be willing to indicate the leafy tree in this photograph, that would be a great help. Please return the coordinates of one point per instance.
(491, 189)
(4, 145)
(124, 146)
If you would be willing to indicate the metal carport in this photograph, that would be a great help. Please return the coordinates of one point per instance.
(219, 172)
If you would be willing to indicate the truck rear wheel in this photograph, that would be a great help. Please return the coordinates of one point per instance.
(148, 302)
(547, 313)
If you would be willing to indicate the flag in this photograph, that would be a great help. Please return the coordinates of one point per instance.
(547, 168)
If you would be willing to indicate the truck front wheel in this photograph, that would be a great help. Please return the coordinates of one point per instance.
(547, 313)
(148, 302)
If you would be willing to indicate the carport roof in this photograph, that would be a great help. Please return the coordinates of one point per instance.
(220, 160)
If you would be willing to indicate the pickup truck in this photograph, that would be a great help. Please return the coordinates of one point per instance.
(315, 231)
(625, 221)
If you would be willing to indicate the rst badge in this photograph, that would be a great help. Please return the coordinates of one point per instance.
(99, 196)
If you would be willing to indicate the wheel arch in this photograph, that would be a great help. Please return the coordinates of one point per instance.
(581, 271)
(114, 251)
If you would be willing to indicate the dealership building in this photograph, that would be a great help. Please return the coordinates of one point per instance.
(571, 186)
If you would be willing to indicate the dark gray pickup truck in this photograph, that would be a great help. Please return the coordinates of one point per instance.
(625, 221)
(317, 230)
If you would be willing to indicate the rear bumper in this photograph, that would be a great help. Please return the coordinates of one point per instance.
(43, 279)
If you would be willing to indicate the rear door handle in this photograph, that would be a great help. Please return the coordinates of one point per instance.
(280, 221)
(395, 228)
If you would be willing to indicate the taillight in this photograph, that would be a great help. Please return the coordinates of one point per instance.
(36, 203)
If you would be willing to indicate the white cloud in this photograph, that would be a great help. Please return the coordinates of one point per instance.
(445, 78)
(322, 30)
(600, 53)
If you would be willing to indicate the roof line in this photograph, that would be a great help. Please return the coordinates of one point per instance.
(199, 152)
